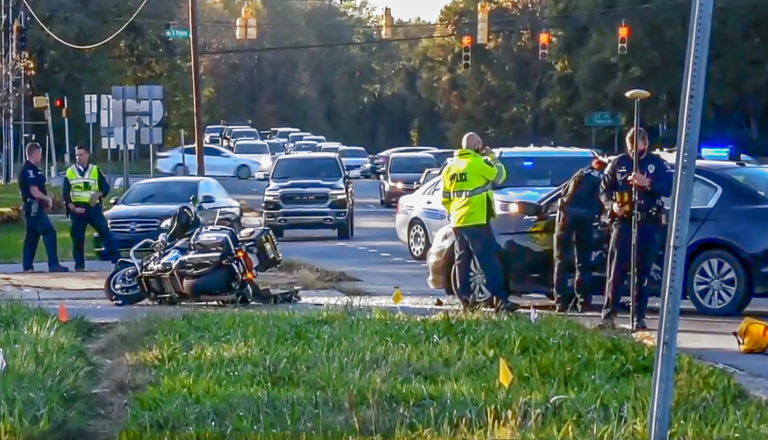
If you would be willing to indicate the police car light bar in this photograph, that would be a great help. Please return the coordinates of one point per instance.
(716, 153)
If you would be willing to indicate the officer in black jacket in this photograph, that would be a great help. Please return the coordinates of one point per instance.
(578, 211)
(654, 181)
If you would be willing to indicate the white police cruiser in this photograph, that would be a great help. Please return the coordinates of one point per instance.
(531, 173)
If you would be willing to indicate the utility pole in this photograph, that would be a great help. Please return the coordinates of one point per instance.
(689, 124)
(196, 95)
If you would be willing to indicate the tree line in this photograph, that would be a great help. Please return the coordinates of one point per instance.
(321, 66)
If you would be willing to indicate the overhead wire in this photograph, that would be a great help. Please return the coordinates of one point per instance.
(87, 46)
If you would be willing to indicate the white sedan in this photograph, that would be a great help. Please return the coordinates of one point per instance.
(255, 150)
(218, 162)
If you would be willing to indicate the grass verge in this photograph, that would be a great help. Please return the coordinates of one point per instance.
(339, 374)
(12, 239)
(45, 387)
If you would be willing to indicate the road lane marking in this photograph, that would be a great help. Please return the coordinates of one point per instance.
(385, 255)
(362, 248)
(398, 259)
(372, 250)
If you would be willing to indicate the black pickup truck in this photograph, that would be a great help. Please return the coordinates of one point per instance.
(309, 191)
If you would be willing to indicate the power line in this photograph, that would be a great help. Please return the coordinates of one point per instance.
(321, 45)
(88, 46)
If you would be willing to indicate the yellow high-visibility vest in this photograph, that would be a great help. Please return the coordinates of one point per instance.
(81, 188)
(467, 187)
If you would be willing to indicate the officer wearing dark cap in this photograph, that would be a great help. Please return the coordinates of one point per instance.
(36, 202)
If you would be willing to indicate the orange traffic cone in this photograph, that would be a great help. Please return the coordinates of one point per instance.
(63, 315)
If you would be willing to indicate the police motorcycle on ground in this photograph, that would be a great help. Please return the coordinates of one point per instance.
(194, 263)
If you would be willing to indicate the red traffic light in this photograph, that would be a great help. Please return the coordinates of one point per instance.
(623, 31)
(466, 40)
(545, 38)
(59, 103)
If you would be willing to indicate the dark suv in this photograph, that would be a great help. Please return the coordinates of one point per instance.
(309, 191)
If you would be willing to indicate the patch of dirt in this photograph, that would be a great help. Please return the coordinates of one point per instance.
(118, 378)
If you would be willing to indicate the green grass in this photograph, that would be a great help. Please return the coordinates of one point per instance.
(339, 374)
(45, 388)
(12, 239)
(10, 196)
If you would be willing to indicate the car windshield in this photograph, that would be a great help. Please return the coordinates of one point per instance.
(276, 147)
(411, 165)
(251, 148)
(753, 177)
(357, 153)
(237, 134)
(161, 192)
(330, 149)
(307, 168)
(542, 170)
(214, 130)
(305, 147)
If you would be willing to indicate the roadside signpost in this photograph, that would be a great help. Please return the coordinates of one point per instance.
(91, 112)
(604, 119)
(691, 106)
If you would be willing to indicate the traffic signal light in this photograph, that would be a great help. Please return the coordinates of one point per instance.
(59, 103)
(466, 52)
(545, 38)
(623, 38)
(483, 11)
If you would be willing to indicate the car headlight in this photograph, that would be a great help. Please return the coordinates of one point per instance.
(271, 196)
(507, 207)
(399, 185)
(337, 194)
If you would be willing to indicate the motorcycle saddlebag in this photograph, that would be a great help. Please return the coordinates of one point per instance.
(214, 239)
(262, 243)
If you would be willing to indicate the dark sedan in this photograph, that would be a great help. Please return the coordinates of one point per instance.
(138, 214)
(727, 259)
(400, 177)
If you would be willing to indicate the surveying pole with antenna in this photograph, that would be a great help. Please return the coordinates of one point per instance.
(636, 95)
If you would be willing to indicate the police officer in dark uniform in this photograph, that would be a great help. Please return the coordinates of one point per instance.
(83, 190)
(578, 210)
(36, 201)
(654, 181)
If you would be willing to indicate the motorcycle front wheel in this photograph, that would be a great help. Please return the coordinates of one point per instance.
(122, 287)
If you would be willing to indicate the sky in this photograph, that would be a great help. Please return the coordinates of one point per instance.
(405, 9)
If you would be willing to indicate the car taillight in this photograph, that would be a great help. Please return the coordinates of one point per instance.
(246, 259)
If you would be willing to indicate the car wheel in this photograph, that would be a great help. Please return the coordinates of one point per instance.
(477, 287)
(418, 240)
(381, 196)
(180, 170)
(243, 172)
(351, 223)
(344, 230)
(717, 284)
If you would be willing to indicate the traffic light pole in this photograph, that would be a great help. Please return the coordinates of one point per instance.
(66, 130)
(196, 95)
(689, 124)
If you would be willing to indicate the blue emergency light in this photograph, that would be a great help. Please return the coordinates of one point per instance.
(719, 152)
(527, 163)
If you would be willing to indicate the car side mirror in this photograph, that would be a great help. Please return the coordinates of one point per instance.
(261, 176)
(529, 209)
(207, 199)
